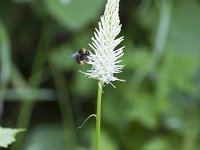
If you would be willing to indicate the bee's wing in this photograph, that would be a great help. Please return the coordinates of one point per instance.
(74, 55)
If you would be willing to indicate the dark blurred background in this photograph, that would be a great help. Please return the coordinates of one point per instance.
(42, 90)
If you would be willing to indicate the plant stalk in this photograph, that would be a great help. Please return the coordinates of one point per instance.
(98, 117)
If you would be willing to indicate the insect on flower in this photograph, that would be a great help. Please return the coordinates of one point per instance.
(105, 58)
(81, 56)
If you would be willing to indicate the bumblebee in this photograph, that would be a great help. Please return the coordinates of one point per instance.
(81, 56)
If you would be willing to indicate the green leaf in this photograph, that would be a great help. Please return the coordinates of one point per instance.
(74, 14)
(7, 136)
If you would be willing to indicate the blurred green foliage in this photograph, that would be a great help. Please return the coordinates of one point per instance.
(41, 88)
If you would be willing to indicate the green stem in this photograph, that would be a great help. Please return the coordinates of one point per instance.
(33, 82)
(5, 56)
(163, 29)
(65, 106)
(5, 61)
(98, 118)
(159, 44)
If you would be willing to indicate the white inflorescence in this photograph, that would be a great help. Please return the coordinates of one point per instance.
(105, 59)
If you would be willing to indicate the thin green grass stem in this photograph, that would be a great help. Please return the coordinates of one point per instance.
(65, 106)
(163, 30)
(98, 118)
(159, 43)
(33, 82)
(5, 60)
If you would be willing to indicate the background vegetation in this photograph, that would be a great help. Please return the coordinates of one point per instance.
(41, 89)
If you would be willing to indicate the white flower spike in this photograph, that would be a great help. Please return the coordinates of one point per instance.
(104, 58)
